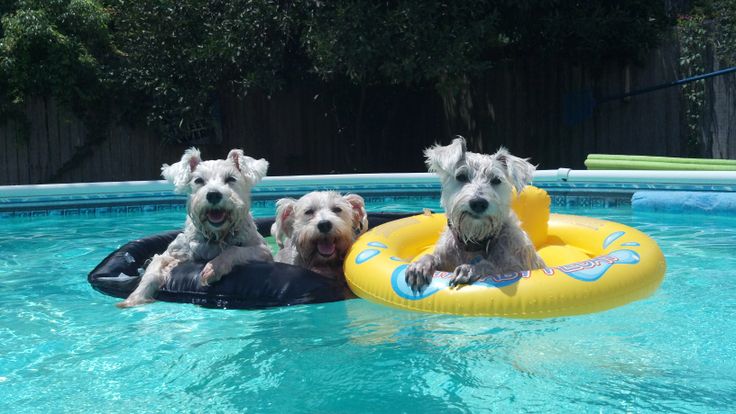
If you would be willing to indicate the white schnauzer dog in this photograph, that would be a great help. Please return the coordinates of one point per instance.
(483, 236)
(219, 228)
(317, 230)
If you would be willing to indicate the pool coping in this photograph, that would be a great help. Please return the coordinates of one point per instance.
(597, 188)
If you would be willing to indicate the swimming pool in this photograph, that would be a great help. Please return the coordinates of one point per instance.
(67, 348)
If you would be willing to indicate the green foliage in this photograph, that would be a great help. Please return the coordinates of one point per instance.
(711, 24)
(177, 55)
(431, 41)
(718, 18)
(404, 42)
(588, 31)
(166, 61)
(51, 48)
(724, 16)
(6, 7)
(694, 40)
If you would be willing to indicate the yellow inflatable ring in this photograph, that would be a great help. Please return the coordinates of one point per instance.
(593, 265)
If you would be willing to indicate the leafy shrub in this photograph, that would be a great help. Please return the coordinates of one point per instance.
(405, 42)
(420, 41)
(166, 61)
(177, 55)
(51, 48)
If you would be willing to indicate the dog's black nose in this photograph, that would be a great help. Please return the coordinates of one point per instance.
(324, 226)
(214, 197)
(478, 205)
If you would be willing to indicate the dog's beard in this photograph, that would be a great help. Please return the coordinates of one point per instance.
(471, 227)
(217, 223)
(322, 250)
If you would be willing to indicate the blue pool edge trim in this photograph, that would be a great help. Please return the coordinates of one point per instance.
(672, 191)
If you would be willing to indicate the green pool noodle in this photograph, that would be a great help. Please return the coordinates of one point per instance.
(620, 164)
(648, 158)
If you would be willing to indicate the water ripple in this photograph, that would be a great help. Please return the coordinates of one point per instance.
(66, 345)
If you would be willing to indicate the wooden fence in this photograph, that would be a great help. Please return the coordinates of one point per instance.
(527, 106)
(334, 128)
(718, 124)
(57, 150)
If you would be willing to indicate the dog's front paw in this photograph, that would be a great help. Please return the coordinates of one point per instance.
(210, 274)
(264, 255)
(419, 274)
(132, 302)
(464, 275)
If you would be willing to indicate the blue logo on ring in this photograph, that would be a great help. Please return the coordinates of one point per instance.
(366, 255)
(612, 238)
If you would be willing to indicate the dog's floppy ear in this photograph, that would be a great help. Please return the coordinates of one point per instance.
(518, 170)
(283, 227)
(254, 170)
(180, 173)
(360, 217)
(444, 160)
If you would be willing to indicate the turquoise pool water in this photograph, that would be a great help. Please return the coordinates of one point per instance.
(66, 348)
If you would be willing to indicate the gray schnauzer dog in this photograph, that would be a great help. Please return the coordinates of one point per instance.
(317, 230)
(483, 235)
(219, 228)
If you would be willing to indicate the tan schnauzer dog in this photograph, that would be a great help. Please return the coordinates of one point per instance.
(317, 230)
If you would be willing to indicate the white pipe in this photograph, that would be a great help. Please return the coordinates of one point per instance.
(541, 177)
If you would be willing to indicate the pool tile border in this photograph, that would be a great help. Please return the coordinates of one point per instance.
(155, 196)
(118, 205)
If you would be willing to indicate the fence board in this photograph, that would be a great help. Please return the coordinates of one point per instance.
(9, 169)
(21, 146)
(7, 152)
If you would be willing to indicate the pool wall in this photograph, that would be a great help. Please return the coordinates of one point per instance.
(674, 191)
(571, 188)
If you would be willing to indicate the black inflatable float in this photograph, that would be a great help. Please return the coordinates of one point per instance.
(251, 286)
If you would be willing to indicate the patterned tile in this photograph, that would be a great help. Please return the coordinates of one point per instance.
(563, 195)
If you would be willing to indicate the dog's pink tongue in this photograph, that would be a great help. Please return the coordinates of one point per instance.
(326, 247)
(216, 216)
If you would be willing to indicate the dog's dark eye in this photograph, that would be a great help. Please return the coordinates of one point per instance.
(336, 210)
(495, 181)
(230, 179)
(198, 181)
(462, 177)
(309, 212)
